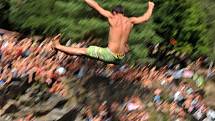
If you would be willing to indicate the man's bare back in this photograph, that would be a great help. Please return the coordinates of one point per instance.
(120, 28)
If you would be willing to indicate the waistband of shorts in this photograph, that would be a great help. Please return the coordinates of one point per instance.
(118, 56)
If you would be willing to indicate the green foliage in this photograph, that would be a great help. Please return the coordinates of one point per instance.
(206, 46)
(4, 7)
(184, 21)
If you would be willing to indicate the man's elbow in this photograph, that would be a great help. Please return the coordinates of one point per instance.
(146, 19)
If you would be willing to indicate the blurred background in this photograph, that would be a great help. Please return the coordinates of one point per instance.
(171, 53)
(189, 23)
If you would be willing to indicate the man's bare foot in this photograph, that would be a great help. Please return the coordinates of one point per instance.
(56, 41)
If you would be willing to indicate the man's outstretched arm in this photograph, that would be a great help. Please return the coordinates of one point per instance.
(145, 17)
(97, 7)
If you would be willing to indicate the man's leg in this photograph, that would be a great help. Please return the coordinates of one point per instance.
(72, 50)
(79, 51)
(69, 50)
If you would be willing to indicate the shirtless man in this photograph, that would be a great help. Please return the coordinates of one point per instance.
(120, 28)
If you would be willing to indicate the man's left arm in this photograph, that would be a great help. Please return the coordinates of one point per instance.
(145, 17)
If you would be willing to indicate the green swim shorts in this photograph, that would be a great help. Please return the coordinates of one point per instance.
(103, 54)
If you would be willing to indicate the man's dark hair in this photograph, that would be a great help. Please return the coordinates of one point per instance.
(118, 9)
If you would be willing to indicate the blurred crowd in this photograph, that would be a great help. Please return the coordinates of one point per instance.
(131, 109)
(174, 96)
(36, 61)
(29, 57)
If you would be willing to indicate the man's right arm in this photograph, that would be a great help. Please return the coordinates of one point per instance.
(97, 7)
(145, 17)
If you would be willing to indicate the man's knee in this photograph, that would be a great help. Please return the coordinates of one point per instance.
(83, 51)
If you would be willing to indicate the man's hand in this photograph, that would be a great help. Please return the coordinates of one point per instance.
(151, 4)
(56, 41)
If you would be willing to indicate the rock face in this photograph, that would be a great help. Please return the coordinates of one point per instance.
(12, 91)
(10, 107)
(59, 115)
(20, 99)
